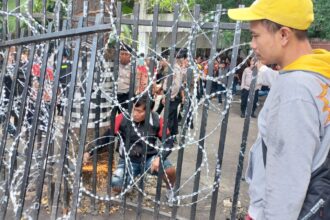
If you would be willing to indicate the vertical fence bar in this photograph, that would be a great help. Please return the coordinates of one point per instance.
(243, 144)
(3, 207)
(17, 11)
(57, 14)
(44, 13)
(205, 111)
(49, 135)
(69, 14)
(224, 124)
(114, 111)
(4, 24)
(30, 11)
(85, 53)
(148, 106)
(68, 113)
(167, 106)
(190, 73)
(97, 119)
(2, 76)
(29, 150)
(83, 130)
(136, 13)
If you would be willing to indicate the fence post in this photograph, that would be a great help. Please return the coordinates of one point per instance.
(63, 150)
(82, 139)
(224, 123)
(190, 74)
(148, 110)
(205, 112)
(167, 106)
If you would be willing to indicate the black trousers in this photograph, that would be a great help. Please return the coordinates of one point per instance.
(173, 122)
(244, 100)
(122, 97)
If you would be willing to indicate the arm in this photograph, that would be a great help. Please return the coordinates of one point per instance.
(105, 140)
(293, 136)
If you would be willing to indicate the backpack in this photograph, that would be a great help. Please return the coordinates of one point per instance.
(317, 201)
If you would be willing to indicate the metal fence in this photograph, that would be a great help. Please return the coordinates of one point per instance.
(42, 153)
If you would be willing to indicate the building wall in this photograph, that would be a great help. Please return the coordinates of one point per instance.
(318, 43)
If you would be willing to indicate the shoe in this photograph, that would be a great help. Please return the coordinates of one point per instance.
(242, 115)
(11, 130)
(175, 141)
(170, 197)
(253, 115)
(191, 126)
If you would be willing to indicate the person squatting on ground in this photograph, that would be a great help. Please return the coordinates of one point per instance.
(136, 145)
(290, 154)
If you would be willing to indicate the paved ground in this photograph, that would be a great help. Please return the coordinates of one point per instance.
(228, 171)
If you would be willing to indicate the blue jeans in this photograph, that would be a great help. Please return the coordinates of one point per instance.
(134, 170)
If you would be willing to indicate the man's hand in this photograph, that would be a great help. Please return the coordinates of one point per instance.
(86, 157)
(155, 165)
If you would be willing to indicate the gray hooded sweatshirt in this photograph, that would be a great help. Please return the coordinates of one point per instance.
(295, 126)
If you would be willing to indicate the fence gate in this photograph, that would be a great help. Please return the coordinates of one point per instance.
(59, 87)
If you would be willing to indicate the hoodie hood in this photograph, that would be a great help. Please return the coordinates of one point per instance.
(318, 62)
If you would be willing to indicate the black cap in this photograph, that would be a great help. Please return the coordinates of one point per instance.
(183, 53)
(125, 47)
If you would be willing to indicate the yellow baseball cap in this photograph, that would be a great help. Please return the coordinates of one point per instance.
(297, 14)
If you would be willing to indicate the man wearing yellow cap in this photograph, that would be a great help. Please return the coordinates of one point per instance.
(291, 153)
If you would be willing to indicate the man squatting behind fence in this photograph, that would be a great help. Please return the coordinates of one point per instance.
(294, 123)
(136, 145)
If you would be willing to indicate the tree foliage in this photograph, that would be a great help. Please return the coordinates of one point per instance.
(321, 25)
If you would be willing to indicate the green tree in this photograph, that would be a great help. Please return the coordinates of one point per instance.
(321, 25)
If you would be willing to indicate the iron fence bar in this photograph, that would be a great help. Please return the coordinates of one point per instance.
(148, 106)
(136, 13)
(224, 124)
(17, 10)
(57, 11)
(190, 73)
(70, 11)
(3, 207)
(29, 150)
(68, 113)
(95, 156)
(44, 14)
(97, 119)
(114, 110)
(2, 76)
(49, 134)
(83, 130)
(205, 112)
(30, 11)
(243, 144)
(167, 107)
(185, 24)
(57, 35)
(4, 21)
(50, 182)
(84, 59)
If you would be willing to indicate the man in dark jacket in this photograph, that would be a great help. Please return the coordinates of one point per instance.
(137, 141)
